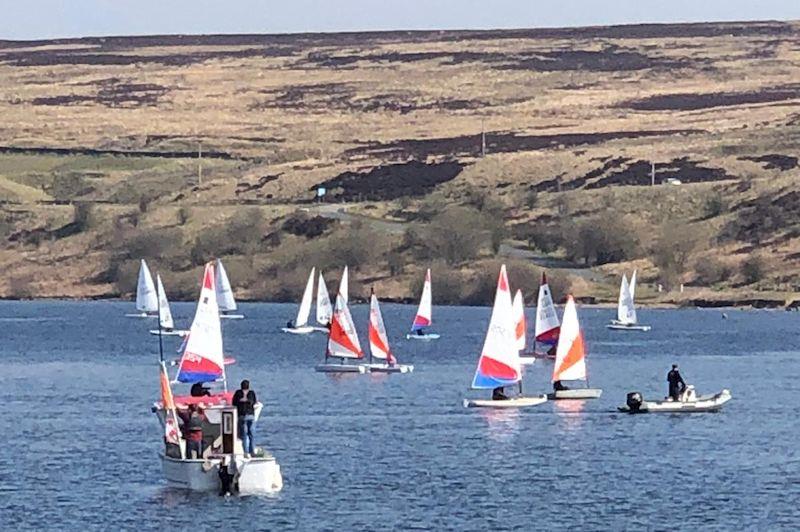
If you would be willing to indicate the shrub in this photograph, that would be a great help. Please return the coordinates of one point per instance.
(711, 270)
(184, 215)
(753, 269)
(82, 216)
(600, 240)
(154, 243)
(456, 235)
(671, 252)
(714, 205)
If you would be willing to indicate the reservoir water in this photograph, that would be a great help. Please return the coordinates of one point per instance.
(399, 451)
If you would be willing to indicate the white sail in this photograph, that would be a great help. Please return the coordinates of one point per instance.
(146, 299)
(424, 318)
(305, 304)
(520, 327)
(632, 285)
(224, 292)
(378, 340)
(203, 359)
(344, 286)
(343, 340)
(164, 313)
(570, 364)
(546, 327)
(626, 312)
(324, 309)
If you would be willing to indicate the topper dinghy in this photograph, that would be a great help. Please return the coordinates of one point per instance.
(146, 298)
(546, 328)
(689, 402)
(521, 327)
(300, 325)
(227, 303)
(626, 310)
(570, 362)
(165, 323)
(499, 365)
(424, 317)
(379, 343)
(342, 342)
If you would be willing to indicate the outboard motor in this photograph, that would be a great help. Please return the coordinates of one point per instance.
(634, 401)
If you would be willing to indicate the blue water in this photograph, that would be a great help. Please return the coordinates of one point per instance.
(386, 452)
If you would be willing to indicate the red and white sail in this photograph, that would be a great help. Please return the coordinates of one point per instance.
(547, 327)
(570, 364)
(378, 340)
(424, 312)
(520, 326)
(499, 364)
(203, 359)
(343, 339)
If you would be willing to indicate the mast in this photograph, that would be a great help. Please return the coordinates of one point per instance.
(160, 340)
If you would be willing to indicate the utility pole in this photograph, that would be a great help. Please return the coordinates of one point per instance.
(483, 138)
(652, 174)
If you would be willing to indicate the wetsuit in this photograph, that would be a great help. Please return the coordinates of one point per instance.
(676, 384)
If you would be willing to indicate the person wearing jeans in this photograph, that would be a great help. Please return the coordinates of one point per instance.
(245, 400)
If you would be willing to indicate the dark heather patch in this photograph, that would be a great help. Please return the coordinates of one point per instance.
(694, 101)
(774, 161)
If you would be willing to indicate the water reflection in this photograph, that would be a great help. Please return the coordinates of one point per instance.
(570, 417)
(502, 423)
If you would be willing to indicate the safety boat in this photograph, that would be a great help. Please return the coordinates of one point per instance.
(570, 365)
(146, 299)
(499, 365)
(165, 322)
(424, 317)
(222, 466)
(379, 344)
(546, 327)
(227, 303)
(626, 310)
(343, 343)
(688, 402)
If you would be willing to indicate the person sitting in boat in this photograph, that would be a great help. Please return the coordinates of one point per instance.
(198, 390)
(245, 400)
(420, 332)
(193, 432)
(498, 395)
(676, 383)
(559, 386)
(290, 324)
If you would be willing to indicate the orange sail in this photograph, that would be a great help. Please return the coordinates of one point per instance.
(570, 362)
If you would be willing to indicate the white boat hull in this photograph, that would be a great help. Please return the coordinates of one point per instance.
(298, 330)
(141, 315)
(575, 394)
(256, 475)
(321, 329)
(707, 403)
(231, 316)
(616, 326)
(385, 368)
(515, 402)
(431, 336)
(341, 368)
(173, 332)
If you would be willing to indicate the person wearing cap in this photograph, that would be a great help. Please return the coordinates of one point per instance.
(676, 384)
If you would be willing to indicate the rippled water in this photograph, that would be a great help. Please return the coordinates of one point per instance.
(399, 451)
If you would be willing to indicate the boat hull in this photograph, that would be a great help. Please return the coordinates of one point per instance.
(232, 316)
(575, 394)
(173, 332)
(432, 336)
(385, 368)
(141, 315)
(708, 403)
(515, 402)
(256, 475)
(622, 327)
(341, 368)
(298, 330)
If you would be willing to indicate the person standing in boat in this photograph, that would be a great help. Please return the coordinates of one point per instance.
(193, 432)
(676, 383)
(245, 400)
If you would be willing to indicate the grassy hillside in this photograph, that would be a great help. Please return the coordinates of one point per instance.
(101, 138)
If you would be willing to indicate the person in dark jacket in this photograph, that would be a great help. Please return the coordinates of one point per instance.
(676, 384)
(245, 401)
(193, 432)
(559, 386)
(198, 390)
(498, 395)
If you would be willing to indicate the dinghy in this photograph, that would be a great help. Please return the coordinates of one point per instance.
(626, 310)
(546, 328)
(300, 325)
(165, 323)
(324, 308)
(570, 362)
(689, 402)
(423, 318)
(146, 299)
(499, 364)
(227, 303)
(379, 343)
(344, 286)
(342, 342)
(521, 327)
(223, 465)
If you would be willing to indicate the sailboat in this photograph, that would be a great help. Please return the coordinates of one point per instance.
(344, 286)
(223, 457)
(423, 318)
(146, 299)
(570, 362)
(520, 326)
(227, 303)
(547, 327)
(499, 364)
(165, 323)
(342, 342)
(300, 324)
(626, 310)
(379, 343)
(324, 308)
